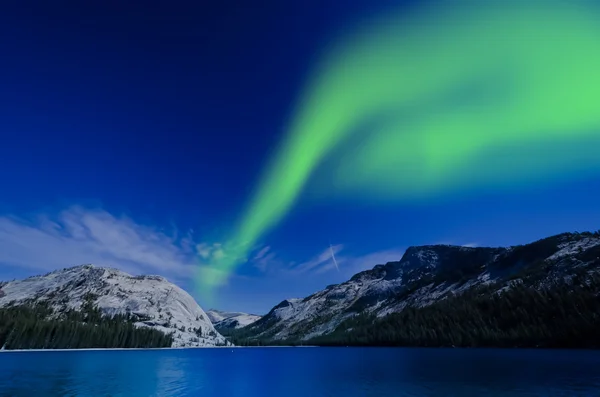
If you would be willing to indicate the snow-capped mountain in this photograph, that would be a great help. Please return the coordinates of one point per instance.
(152, 300)
(231, 320)
(423, 276)
(216, 315)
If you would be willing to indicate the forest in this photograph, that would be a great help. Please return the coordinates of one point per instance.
(563, 314)
(38, 326)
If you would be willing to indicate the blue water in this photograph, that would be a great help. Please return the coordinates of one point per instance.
(306, 372)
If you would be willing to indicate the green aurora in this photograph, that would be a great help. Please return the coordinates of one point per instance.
(442, 100)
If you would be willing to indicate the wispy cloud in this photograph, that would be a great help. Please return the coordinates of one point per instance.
(261, 254)
(210, 252)
(324, 260)
(78, 236)
(348, 264)
(332, 258)
(265, 258)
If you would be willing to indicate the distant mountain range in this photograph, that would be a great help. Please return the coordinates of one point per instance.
(224, 321)
(546, 293)
(415, 298)
(81, 292)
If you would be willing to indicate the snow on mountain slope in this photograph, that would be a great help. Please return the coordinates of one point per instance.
(155, 302)
(422, 276)
(374, 291)
(238, 321)
(216, 315)
(231, 320)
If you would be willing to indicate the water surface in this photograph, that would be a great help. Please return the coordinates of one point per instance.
(305, 372)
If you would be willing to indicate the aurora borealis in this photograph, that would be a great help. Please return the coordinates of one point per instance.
(438, 101)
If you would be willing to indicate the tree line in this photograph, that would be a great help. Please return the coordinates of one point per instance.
(39, 326)
(561, 314)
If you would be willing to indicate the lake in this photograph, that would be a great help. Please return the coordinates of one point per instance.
(305, 372)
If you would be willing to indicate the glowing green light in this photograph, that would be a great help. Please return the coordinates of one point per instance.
(480, 93)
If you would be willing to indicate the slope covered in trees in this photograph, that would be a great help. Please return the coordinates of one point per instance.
(38, 326)
(542, 294)
(565, 315)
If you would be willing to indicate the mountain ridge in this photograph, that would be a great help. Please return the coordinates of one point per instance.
(224, 321)
(424, 275)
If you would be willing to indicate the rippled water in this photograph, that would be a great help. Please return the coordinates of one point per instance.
(306, 372)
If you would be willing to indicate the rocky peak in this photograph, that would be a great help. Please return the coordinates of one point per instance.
(424, 275)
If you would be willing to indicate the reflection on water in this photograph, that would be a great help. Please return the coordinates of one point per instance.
(303, 372)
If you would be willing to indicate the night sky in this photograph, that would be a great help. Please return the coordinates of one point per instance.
(131, 132)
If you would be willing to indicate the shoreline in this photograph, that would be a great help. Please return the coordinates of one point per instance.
(143, 348)
(291, 346)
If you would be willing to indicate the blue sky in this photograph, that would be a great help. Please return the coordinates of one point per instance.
(129, 134)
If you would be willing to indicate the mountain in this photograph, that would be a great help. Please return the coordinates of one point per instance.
(428, 276)
(230, 320)
(149, 301)
(217, 315)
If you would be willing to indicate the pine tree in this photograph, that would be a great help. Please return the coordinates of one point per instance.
(32, 326)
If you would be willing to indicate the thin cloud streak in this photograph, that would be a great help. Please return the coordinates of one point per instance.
(355, 264)
(346, 264)
(319, 261)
